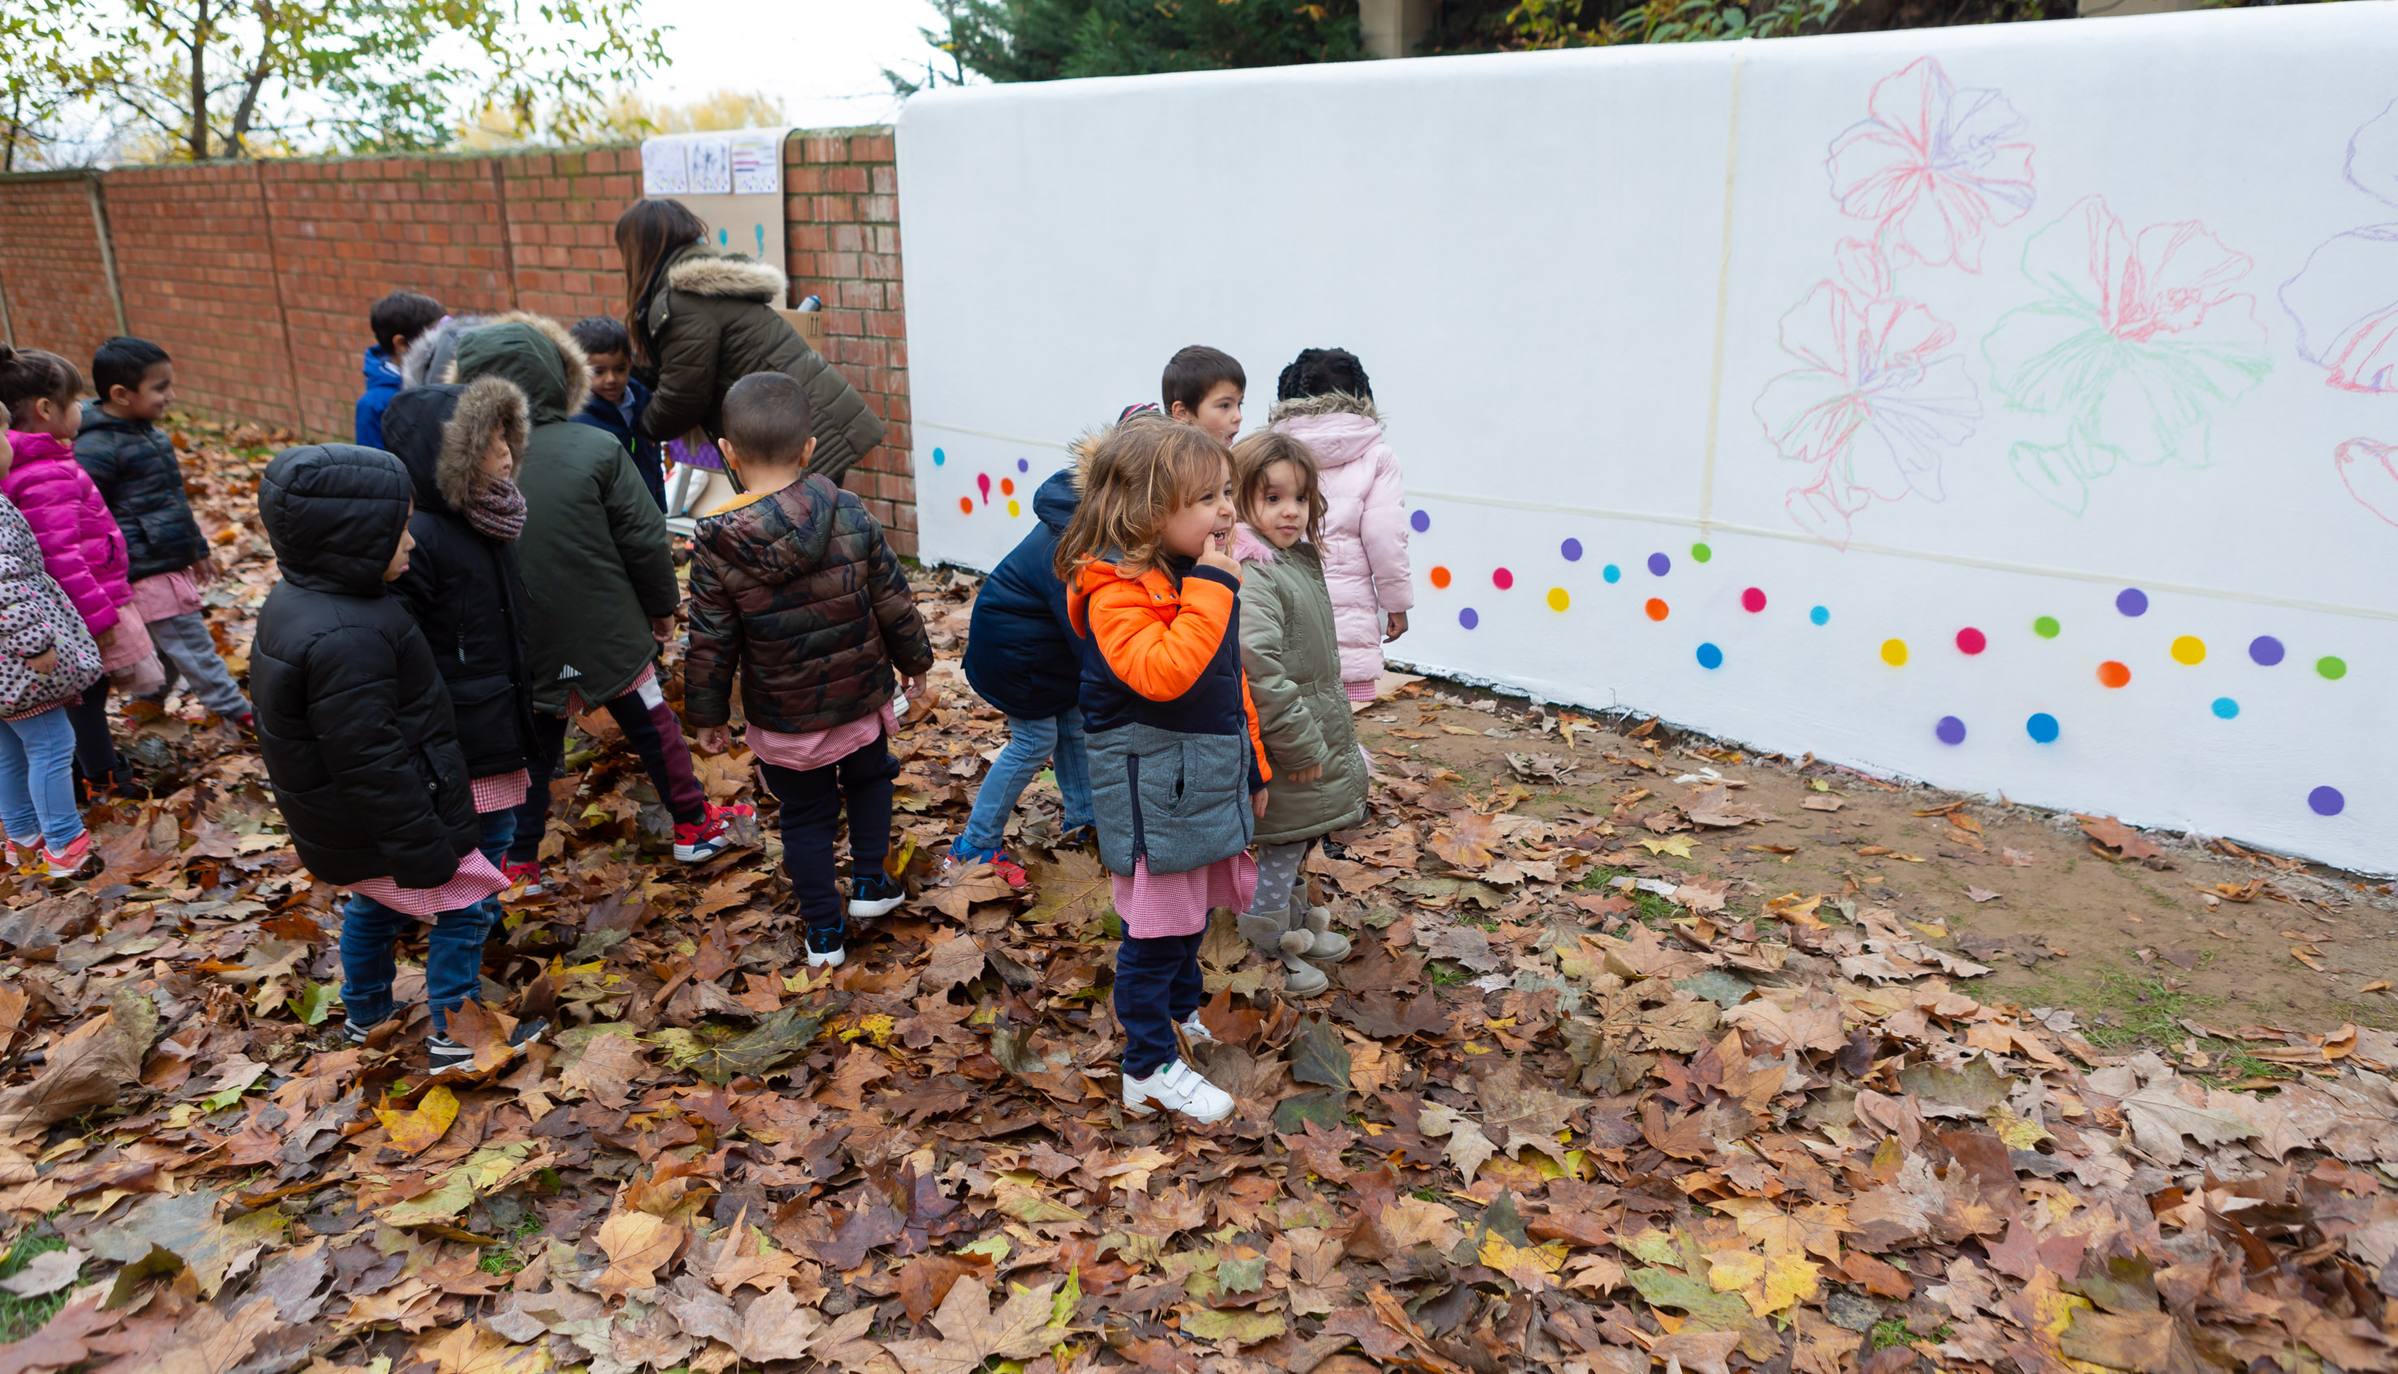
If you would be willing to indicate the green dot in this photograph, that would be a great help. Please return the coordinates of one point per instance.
(2046, 627)
(2333, 669)
(1700, 553)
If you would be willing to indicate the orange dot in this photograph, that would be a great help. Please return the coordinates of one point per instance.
(1440, 576)
(966, 505)
(2113, 674)
(1657, 608)
(1007, 486)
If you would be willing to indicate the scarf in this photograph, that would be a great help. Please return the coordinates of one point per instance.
(496, 509)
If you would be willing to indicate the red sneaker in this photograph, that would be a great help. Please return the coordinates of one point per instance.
(702, 840)
(75, 861)
(525, 875)
(1009, 871)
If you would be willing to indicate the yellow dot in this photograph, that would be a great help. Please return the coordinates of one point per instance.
(2189, 649)
(1894, 652)
(1558, 600)
(1014, 509)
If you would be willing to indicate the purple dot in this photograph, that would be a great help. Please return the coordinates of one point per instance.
(1467, 618)
(2326, 801)
(1950, 730)
(2265, 650)
(2132, 601)
(1570, 550)
(1420, 522)
(1024, 465)
(1660, 565)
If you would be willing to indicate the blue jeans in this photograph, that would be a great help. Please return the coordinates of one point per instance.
(371, 931)
(1031, 743)
(1157, 984)
(37, 778)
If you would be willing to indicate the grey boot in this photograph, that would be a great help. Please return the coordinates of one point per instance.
(1270, 938)
(1325, 945)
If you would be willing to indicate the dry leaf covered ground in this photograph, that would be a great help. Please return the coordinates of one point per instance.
(1652, 1053)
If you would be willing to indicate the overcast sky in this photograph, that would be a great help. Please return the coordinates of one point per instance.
(824, 58)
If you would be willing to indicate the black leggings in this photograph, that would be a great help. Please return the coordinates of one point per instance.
(95, 753)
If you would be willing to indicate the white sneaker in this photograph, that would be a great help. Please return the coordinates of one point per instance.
(1195, 1031)
(1178, 1088)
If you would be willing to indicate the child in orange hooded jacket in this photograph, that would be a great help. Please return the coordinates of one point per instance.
(1178, 775)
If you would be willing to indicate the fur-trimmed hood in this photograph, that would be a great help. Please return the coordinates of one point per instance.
(431, 353)
(537, 354)
(1248, 546)
(706, 271)
(1339, 429)
(1330, 403)
(441, 433)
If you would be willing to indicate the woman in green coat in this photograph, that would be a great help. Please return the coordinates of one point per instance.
(1292, 656)
(703, 318)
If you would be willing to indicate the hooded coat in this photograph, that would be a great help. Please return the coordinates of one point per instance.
(1020, 653)
(133, 463)
(798, 587)
(36, 618)
(462, 585)
(353, 721)
(1365, 520)
(711, 321)
(79, 538)
(595, 560)
(1294, 665)
(380, 382)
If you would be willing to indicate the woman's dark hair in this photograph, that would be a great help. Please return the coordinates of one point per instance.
(601, 334)
(1321, 372)
(647, 234)
(124, 361)
(29, 374)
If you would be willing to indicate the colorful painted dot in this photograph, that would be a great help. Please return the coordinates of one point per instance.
(1657, 608)
(2114, 674)
(2226, 709)
(1024, 465)
(1700, 553)
(1611, 573)
(1440, 575)
(983, 480)
(1710, 657)
(1950, 730)
(1570, 550)
(2265, 650)
(1467, 618)
(1007, 486)
(939, 457)
(1559, 599)
(2332, 668)
(1501, 578)
(2188, 649)
(1753, 600)
(2326, 801)
(2042, 727)
(1419, 522)
(2132, 601)
(1971, 641)
(1660, 565)
(966, 504)
(2047, 627)
(1014, 508)
(1894, 652)
(1821, 615)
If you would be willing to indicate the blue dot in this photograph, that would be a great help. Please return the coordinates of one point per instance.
(2132, 601)
(2226, 709)
(1612, 573)
(1710, 657)
(1950, 730)
(1660, 565)
(1821, 615)
(2042, 727)
(1467, 618)
(939, 457)
(1024, 465)
(1570, 550)
(1420, 522)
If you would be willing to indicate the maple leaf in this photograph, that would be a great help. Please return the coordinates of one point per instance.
(720, 1058)
(1074, 889)
(962, 887)
(1318, 1056)
(180, 1231)
(1517, 1112)
(92, 1065)
(2107, 833)
(972, 1331)
(1465, 842)
(474, 1349)
(1469, 1149)
(605, 1070)
(64, 1341)
(414, 1130)
(2160, 1115)
(954, 958)
(637, 1246)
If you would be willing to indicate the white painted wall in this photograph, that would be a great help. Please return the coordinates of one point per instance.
(2113, 323)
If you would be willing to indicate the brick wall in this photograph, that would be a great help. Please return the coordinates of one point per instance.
(257, 276)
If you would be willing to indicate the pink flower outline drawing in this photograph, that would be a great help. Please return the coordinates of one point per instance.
(2138, 342)
(1933, 166)
(2368, 468)
(1873, 404)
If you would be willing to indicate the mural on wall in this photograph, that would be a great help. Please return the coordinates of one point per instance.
(1994, 479)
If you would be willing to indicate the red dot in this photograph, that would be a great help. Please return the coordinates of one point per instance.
(966, 504)
(1971, 641)
(1440, 576)
(1502, 579)
(2114, 674)
(1753, 600)
(1657, 608)
(1007, 486)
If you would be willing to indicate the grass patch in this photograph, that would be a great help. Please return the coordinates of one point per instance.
(2121, 1012)
(1889, 1332)
(504, 1258)
(21, 1317)
(1649, 908)
(1446, 975)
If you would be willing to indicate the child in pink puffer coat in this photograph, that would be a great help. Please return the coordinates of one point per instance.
(1324, 400)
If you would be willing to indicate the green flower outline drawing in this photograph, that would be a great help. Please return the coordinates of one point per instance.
(2138, 342)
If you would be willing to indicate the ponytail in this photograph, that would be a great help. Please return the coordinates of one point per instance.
(30, 374)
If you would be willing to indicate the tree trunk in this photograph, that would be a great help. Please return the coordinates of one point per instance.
(199, 84)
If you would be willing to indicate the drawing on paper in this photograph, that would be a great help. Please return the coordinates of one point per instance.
(711, 167)
(757, 164)
(2352, 334)
(2368, 468)
(1933, 166)
(665, 167)
(2137, 342)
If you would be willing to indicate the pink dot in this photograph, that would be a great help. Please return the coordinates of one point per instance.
(1753, 600)
(1971, 641)
(1502, 579)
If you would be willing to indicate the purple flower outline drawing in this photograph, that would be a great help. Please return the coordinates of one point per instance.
(1933, 166)
(2344, 301)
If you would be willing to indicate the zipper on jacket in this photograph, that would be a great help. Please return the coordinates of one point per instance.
(1132, 778)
